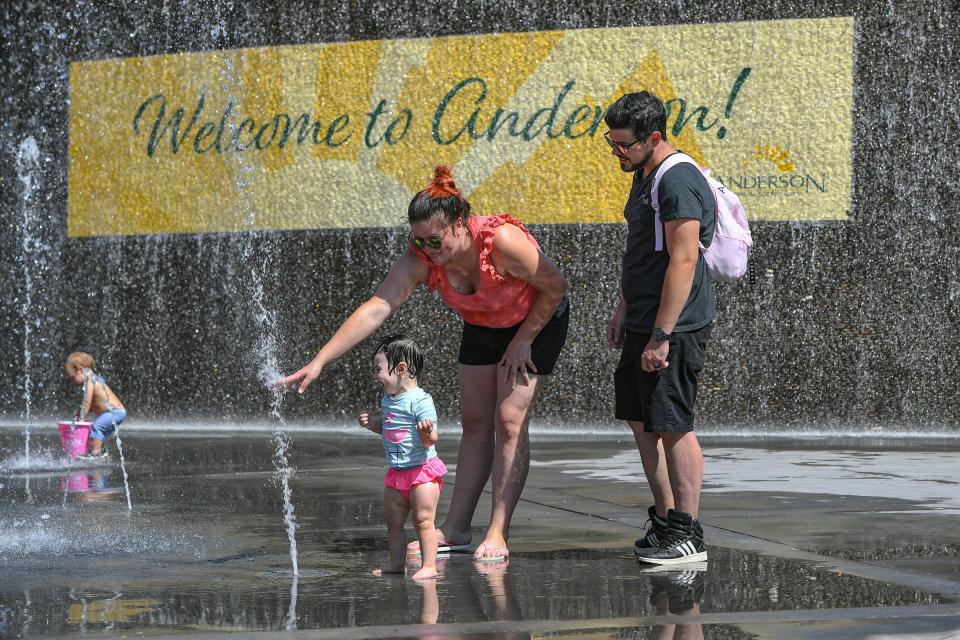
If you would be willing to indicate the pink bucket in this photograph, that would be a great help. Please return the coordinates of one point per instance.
(74, 444)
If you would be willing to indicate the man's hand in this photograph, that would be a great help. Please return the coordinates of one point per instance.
(615, 327)
(654, 356)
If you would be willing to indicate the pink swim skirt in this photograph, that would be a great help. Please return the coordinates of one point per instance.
(405, 479)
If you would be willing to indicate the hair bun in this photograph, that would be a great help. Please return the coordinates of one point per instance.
(442, 185)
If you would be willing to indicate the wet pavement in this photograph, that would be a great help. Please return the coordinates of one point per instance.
(806, 539)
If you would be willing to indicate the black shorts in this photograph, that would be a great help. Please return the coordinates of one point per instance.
(486, 345)
(663, 400)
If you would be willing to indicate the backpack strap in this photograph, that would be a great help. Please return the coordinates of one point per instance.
(669, 163)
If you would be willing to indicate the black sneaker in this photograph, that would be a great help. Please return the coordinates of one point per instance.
(683, 542)
(653, 535)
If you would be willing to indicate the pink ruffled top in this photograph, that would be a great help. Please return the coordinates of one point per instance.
(500, 301)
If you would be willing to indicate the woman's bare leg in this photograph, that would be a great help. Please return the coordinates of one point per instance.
(511, 461)
(478, 402)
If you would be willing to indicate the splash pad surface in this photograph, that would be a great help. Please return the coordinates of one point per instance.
(205, 548)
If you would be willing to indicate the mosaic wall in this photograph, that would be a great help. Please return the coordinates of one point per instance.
(194, 190)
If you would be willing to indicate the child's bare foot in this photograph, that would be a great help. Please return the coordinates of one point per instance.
(388, 568)
(425, 573)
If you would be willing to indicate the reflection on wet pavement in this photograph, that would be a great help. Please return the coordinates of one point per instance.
(205, 549)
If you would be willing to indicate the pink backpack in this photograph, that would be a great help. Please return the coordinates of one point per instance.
(727, 255)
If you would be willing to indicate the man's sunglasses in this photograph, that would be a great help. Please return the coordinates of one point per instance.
(434, 242)
(619, 146)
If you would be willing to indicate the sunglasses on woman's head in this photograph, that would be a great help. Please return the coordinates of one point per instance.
(434, 242)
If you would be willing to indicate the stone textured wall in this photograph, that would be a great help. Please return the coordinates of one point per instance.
(843, 324)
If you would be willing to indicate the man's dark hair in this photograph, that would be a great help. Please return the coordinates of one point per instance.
(641, 112)
(399, 348)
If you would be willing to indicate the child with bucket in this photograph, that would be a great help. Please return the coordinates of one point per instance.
(407, 426)
(98, 399)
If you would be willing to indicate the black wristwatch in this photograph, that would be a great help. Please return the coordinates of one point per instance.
(659, 335)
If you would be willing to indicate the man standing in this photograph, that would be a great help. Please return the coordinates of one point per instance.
(662, 324)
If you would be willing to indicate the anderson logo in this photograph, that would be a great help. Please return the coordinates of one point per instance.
(770, 171)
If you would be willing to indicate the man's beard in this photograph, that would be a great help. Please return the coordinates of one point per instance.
(631, 166)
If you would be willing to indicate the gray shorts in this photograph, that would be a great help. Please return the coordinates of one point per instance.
(664, 401)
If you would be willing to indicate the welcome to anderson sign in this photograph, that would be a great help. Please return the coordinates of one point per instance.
(302, 137)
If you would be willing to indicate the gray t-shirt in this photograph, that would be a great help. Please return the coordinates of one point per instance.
(684, 193)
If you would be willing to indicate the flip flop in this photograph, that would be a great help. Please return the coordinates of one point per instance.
(442, 547)
(491, 568)
(493, 554)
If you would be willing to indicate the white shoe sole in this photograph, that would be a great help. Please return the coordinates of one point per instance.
(673, 569)
(697, 557)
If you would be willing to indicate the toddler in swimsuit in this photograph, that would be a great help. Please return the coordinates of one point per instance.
(407, 425)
